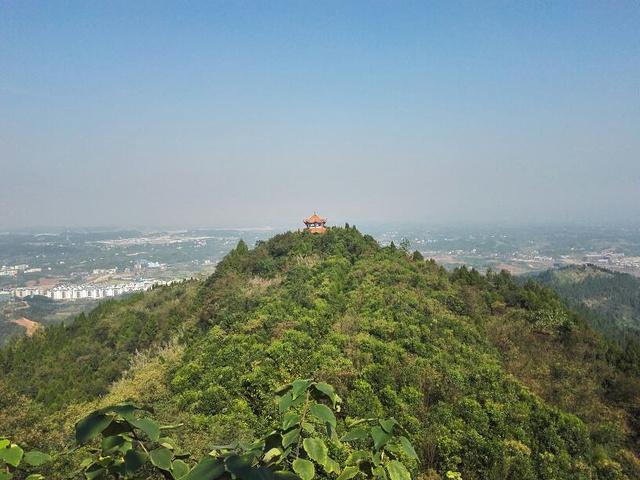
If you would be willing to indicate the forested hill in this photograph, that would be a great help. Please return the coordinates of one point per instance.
(610, 301)
(491, 379)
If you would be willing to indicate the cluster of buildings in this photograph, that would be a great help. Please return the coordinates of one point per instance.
(533, 257)
(104, 271)
(12, 271)
(80, 292)
(615, 261)
(604, 258)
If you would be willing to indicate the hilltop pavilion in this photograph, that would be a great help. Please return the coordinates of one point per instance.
(315, 223)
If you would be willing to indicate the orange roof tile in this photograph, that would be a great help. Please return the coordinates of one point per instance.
(315, 219)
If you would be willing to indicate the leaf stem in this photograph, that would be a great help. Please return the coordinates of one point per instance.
(305, 409)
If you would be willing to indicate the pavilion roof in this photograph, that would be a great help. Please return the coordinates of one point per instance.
(314, 219)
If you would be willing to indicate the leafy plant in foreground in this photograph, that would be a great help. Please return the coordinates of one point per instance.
(13, 458)
(131, 444)
(306, 444)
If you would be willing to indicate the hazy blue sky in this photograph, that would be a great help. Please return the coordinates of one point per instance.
(257, 113)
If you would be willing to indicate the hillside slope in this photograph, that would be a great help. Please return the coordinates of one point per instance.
(609, 300)
(492, 379)
(76, 362)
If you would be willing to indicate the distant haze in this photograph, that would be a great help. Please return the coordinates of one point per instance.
(258, 113)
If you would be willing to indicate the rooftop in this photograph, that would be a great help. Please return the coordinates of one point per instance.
(315, 219)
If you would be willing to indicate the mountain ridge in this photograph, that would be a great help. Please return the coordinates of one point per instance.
(451, 355)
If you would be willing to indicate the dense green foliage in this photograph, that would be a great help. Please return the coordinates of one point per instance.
(70, 363)
(610, 301)
(39, 309)
(305, 444)
(8, 329)
(490, 378)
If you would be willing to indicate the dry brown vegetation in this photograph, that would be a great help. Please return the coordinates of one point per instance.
(29, 325)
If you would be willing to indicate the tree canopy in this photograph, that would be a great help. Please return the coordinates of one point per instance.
(490, 378)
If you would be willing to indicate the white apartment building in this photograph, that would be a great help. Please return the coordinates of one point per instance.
(67, 292)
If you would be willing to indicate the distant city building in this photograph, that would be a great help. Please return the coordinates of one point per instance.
(79, 292)
(104, 271)
(12, 271)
